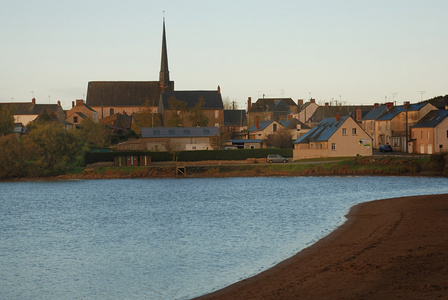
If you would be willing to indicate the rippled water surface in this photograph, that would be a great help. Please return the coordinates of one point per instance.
(168, 238)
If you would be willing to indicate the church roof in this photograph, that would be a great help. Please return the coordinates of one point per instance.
(122, 93)
(212, 99)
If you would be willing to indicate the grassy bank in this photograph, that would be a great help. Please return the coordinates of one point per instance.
(386, 165)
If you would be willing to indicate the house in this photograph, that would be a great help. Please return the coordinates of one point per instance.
(266, 109)
(295, 127)
(392, 123)
(246, 144)
(117, 121)
(330, 111)
(305, 110)
(430, 134)
(172, 139)
(26, 112)
(75, 119)
(262, 129)
(333, 137)
(110, 97)
(369, 121)
(235, 120)
(79, 112)
(180, 105)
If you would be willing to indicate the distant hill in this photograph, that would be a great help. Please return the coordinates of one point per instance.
(440, 101)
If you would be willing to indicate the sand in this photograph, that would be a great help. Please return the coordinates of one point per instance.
(388, 249)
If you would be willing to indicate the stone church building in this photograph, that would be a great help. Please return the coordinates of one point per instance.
(128, 97)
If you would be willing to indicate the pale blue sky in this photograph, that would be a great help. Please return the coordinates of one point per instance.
(358, 51)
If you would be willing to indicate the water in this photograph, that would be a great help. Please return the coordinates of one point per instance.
(168, 238)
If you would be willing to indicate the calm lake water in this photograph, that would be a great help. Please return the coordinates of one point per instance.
(169, 238)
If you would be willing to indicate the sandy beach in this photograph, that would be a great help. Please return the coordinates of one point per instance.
(388, 249)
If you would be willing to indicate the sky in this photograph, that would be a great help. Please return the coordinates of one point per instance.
(353, 52)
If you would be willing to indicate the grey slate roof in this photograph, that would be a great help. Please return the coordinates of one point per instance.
(235, 118)
(212, 99)
(375, 112)
(292, 124)
(394, 111)
(28, 108)
(273, 104)
(261, 125)
(242, 141)
(153, 132)
(123, 93)
(323, 112)
(432, 119)
(322, 131)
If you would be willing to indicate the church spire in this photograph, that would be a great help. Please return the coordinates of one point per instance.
(164, 73)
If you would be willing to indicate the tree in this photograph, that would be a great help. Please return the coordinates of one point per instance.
(51, 149)
(6, 120)
(197, 117)
(229, 105)
(178, 109)
(281, 139)
(219, 141)
(94, 135)
(12, 157)
(145, 117)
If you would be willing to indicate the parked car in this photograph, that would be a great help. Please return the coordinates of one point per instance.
(276, 158)
(385, 148)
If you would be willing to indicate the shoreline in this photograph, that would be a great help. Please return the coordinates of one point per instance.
(392, 248)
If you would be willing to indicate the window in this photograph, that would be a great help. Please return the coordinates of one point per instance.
(344, 131)
(333, 146)
(274, 127)
(111, 112)
(156, 132)
(216, 114)
(216, 124)
(353, 131)
(75, 119)
(447, 134)
(427, 135)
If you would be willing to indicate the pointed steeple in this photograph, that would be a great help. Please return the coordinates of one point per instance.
(164, 73)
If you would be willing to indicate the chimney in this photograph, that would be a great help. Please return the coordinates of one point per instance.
(33, 101)
(219, 89)
(389, 105)
(358, 115)
(312, 100)
(375, 105)
(327, 104)
(338, 116)
(300, 102)
(406, 104)
(79, 102)
(73, 104)
(289, 117)
(249, 103)
(257, 122)
(59, 102)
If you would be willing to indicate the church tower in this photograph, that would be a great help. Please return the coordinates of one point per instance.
(164, 73)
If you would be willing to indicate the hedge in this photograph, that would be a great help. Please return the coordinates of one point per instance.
(196, 155)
